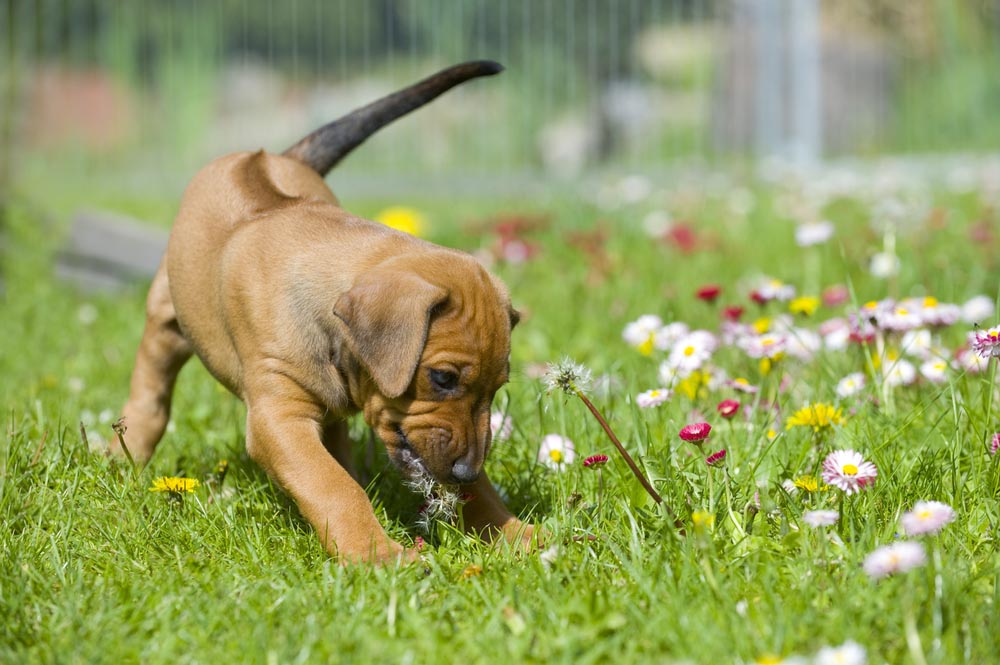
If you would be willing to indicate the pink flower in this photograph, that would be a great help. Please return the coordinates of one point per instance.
(501, 425)
(716, 458)
(728, 408)
(836, 295)
(927, 517)
(896, 558)
(595, 461)
(987, 342)
(696, 432)
(848, 470)
(995, 444)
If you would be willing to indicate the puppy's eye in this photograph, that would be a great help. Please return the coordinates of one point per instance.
(443, 379)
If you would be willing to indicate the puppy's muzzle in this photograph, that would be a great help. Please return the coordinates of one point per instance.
(463, 473)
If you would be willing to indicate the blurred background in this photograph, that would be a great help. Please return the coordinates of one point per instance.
(133, 96)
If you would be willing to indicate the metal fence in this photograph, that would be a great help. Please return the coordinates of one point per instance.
(158, 86)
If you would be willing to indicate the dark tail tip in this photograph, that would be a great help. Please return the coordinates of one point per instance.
(329, 144)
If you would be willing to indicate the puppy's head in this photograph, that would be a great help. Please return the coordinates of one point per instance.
(432, 332)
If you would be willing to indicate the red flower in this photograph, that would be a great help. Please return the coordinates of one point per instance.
(709, 292)
(696, 432)
(732, 313)
(728, 408)
(759, 297)
(717, 458)
(595, 461)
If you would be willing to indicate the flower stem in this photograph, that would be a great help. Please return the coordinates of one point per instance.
(621, 449)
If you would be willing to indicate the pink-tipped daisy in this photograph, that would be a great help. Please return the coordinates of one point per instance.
(817, 518)
(728, 408)
(695, 432)
(501, 425)
(895, 558)
(848, 470)
(927, 517)
(987, 342)
(651, 398)
(717, 458)
(595, 461)
(995, 444)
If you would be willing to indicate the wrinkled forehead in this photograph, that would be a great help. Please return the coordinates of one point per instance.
(473, 322)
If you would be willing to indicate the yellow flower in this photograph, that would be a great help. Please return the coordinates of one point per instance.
(472, 570)
(694, 383)
(805, 305)
(703, 520)
(817, 416)
(403, 219)
(762, 325)
(807, 483)
(174, 485)
(646, 348)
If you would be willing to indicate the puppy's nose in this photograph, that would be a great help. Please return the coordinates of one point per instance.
(464, 473)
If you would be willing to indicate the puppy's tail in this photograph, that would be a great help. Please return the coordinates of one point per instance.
(322, 149)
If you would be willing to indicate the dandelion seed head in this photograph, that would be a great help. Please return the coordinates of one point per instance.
(567, 376)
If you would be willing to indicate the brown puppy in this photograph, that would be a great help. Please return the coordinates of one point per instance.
(310, 314)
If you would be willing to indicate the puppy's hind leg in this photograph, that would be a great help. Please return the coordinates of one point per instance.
(162, 353)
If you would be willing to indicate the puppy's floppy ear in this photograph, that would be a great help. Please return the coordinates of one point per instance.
(515, 317)
(387, 315)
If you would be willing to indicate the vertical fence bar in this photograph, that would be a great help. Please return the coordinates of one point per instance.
(804, 62)
(767, 72)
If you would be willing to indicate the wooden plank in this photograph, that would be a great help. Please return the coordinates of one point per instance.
(107, 251)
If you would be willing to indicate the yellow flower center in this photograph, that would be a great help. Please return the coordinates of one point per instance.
(850, 470)
(646, 348)
(556, 456)
(902, 311)
(654, 393)
(930, 301)
(689, 350)
(924, 514)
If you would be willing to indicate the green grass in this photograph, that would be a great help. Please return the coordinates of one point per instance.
(98, 569)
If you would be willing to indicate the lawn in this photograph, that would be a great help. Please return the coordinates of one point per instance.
(98, 568)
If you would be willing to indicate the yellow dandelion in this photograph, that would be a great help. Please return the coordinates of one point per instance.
(694, 384)
(703, 520)
(472, 570)
(818, 416)
(174, 485)
(807, 483)
(403, 219)
(762, 325)
(805, 305)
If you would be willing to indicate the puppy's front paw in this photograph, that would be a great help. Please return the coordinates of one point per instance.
(385, 552)
(526, 537)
